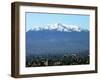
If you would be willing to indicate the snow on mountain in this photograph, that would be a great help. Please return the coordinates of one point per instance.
(58, 27)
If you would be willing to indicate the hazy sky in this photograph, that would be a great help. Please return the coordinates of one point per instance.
(41, 19)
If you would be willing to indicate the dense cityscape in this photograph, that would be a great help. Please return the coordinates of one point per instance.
(57, 60)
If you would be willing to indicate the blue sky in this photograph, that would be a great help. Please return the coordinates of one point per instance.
(40, 19)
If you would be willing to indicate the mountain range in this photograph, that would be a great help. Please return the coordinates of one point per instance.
(57, 39)
(58, 27)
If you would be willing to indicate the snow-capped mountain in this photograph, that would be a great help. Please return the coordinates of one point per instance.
(56, 39)
(58, 27)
